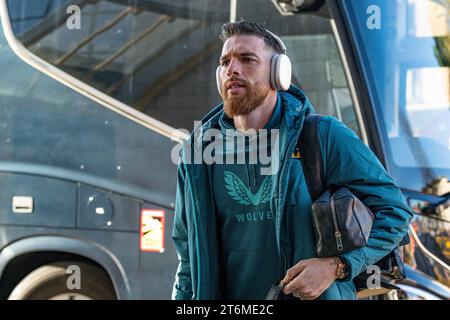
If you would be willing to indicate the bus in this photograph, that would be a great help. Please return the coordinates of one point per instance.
(93, 94)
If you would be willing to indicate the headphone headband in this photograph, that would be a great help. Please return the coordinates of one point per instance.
(279, 41)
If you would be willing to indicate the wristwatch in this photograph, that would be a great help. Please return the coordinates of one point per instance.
(341, 270)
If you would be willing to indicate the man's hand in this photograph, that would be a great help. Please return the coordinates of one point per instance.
(308, 279)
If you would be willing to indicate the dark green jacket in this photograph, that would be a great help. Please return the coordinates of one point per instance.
(347, 162)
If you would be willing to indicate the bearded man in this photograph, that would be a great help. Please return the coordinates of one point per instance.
(238, 231)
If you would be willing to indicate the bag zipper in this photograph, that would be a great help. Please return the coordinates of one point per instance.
(337, 232)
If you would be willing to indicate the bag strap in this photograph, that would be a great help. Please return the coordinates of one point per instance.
(310, 155)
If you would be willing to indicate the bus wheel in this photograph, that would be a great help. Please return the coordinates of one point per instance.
(65, 281)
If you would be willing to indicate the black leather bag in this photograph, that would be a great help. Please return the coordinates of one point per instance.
(391, 266)
(342, 215)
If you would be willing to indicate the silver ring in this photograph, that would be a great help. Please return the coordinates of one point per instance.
(297, 295)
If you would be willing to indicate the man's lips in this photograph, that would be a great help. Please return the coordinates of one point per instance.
(234, 86)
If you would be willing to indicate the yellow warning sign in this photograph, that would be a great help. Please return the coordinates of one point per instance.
(152, 230)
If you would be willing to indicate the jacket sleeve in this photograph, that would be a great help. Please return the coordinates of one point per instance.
(349, 162)
(182, 288)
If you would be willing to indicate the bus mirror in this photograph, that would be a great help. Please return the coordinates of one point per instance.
(290, 7)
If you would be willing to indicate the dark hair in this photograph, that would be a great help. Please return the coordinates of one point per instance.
(244, 27)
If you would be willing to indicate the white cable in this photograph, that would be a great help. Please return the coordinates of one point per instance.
(426, 251)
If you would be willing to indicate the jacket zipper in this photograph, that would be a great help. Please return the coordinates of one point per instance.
(290, 148)
(254, 174)
(337, 231)
(248, 174)
(285, 163)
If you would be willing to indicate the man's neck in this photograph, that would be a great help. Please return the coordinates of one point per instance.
(258, 117)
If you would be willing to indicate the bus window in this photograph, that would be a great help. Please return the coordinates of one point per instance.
(160, 57)
(407, 64)
(147, 56)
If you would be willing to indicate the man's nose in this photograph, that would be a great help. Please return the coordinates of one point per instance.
(234, 67)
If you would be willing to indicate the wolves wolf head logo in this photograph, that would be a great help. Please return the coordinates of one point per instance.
(239, 191)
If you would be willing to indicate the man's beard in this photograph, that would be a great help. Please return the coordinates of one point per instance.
(234, 105)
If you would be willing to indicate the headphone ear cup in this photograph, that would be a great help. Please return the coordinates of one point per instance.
(280, 72)
(273, 71)
(218, 82)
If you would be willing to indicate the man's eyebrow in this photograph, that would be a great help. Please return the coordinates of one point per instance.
(248, 54)
(242, 54)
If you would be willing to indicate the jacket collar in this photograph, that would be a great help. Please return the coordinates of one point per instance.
(294, 105)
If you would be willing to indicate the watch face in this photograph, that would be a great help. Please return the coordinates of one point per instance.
(341, 269)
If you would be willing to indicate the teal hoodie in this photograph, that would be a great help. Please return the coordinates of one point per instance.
(242, 195)
(347, 162)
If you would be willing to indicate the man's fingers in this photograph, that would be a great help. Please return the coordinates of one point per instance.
(298, 284)
(293, 272)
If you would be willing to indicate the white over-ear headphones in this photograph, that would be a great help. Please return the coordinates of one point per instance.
(280, 68)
